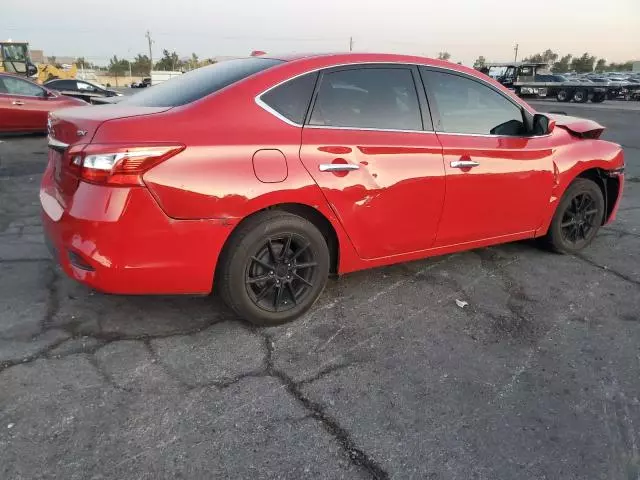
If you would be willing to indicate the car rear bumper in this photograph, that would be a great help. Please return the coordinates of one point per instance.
(118, 240)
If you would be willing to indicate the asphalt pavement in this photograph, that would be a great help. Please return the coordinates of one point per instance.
(387, 377)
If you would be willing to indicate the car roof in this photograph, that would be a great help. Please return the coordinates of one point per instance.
(328, 60)
(15, 75)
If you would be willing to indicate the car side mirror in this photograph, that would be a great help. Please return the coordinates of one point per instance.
(543, 125)
(49, 94)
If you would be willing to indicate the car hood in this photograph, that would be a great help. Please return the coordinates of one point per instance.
(579, 127)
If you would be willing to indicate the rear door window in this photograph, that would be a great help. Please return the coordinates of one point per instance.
(291, 99)
(376, 98)
(199, 83)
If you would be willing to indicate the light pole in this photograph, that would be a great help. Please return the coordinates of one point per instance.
(129, 62)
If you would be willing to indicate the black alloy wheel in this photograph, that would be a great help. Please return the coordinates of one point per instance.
(274, 267)
(577, 218)
(282, 273)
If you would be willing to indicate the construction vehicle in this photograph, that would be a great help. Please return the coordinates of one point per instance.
(15, 58)
(47, 72)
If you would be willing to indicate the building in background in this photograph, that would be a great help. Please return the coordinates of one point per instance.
(37, 56)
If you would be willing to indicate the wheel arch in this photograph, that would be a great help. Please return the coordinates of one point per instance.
(309, 213)
(610, 187)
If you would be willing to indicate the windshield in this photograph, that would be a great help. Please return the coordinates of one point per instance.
(200, 82)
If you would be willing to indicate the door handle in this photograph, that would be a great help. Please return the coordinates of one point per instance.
(17, 102)
(338, 167)
(464, 164)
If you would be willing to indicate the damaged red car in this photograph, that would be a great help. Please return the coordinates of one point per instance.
(261, 176)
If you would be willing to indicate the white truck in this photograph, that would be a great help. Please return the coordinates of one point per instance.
(159, 76)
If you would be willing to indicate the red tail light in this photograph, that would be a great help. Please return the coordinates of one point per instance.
(119, 164)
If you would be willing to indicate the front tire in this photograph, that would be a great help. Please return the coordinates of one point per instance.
(577, 218)
(274, 269)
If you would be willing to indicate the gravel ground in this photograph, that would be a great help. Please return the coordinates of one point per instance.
(537, 378)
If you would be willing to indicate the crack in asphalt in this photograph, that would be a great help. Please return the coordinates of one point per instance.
(105, 375)
(621, 233)
(155, 358)
(355, 455)
(104, 339)
(53, 300)
(607, 269)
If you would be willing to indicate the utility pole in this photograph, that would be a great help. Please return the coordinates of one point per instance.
(351, 44)
(148, 35)
(515, 49)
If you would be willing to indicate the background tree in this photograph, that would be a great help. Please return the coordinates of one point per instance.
(82, 63)
(194, 62)
(548, 56)
(480, 63)
(118, 67)
(563, 65)
(444, 55)
(620, 67)
(601, 65)
(583, 64)
(169, 61)
(141, 65)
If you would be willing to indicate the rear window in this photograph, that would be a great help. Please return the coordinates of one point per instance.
(199, 83)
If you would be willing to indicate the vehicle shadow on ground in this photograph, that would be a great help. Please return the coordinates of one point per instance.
(81, 311)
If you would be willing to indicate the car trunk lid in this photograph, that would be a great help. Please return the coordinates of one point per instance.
(71, 129)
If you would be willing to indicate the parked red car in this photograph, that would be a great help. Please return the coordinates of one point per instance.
(262, 175)
(24, 105)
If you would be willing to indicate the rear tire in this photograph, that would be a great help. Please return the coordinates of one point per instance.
(274, 268)
(563, 96)
(578, 217)
(580, 96)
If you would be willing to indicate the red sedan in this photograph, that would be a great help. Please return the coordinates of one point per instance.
(263, 175)
(24, 105)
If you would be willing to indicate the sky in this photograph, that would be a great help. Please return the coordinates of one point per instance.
(98, 30)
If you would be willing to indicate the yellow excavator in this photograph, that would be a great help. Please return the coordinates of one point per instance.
(15, 58)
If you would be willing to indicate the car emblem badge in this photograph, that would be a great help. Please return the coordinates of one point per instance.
(81, 133)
